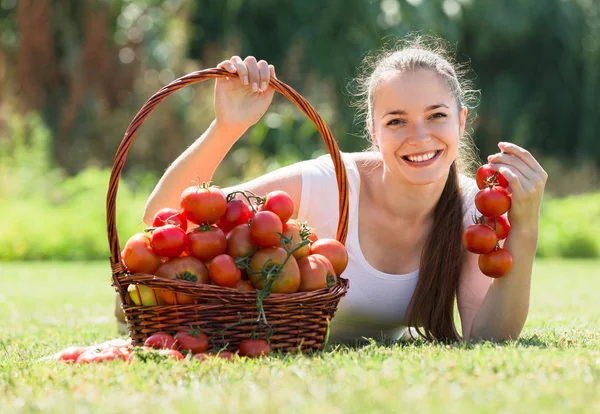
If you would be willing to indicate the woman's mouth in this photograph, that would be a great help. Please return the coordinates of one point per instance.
(422, 159)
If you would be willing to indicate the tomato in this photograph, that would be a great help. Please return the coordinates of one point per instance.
(169, 216)
(138, 256)
(71, 353)
(292, 230)
(326, 262)
(168, 240)
(313, 235)
(142, 295)
(96, 356)
(288, 280)
(206, 242)
(485, 173)
(223, 271)
(225, 355)
(161, 340)
(203, 204)
(183, 268)
(202, 357)
(192, 340)
(480, 238)
(493, 201)
(171, 353)
(502, 226)
(332, 250)
(237, 213)
(254, 348)
(264, 228)
(496, 263)
(280, 203)
(239, 242)
(314, 273)
(244, 286)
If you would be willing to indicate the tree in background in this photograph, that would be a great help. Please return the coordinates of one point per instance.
(87, 66)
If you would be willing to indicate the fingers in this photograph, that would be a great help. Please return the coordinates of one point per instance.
(253, 73)
(263, 70)
(505, 158)
(518, 183)
(228, 66)
(241, 69)
(521, 153)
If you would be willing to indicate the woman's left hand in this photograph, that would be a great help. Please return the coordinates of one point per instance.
(526, 179)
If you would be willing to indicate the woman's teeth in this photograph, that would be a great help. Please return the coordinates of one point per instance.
(421, 158)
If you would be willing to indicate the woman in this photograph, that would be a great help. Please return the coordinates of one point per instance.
(409, 204)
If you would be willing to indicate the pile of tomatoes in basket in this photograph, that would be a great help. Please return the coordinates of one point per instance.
(493, 202)
(233, 241)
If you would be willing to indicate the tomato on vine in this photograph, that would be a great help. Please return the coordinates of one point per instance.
(485, 177)
(496, 264)
(480, 238)
(493, 201)
(203, 204)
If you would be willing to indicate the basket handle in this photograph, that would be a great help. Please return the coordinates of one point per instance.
(189, 79)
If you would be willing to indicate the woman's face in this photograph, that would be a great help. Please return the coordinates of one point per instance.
(416, 125)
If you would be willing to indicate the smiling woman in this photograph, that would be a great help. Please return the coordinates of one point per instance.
(409, 196)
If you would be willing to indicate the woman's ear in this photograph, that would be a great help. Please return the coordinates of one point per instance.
(463, 120)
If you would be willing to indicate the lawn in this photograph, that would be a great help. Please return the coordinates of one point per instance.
(554, 367)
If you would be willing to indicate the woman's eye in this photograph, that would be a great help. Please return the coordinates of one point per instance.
(396, 122)
(438, 115)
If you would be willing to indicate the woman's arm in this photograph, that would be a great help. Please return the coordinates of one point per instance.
(239, 103)
(503, 310)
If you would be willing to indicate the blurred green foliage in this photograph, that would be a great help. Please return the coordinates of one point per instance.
(86, 66)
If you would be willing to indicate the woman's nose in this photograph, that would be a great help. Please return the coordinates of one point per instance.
(418, 134)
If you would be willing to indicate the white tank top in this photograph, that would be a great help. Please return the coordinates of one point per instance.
(376, 303)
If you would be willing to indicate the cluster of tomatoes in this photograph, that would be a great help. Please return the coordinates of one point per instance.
(240, 240)
(162, 346)
(493, 202)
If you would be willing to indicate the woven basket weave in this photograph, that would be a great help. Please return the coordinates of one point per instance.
(299, 321)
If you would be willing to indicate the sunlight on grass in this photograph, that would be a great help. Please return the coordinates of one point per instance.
(555, 366)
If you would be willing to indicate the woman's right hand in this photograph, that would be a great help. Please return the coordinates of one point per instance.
(241, 101)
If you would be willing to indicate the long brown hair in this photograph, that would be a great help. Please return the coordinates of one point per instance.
(431, 309)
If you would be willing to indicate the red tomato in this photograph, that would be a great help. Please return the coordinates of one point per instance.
(245, 286)
(225, 355)
(332, 250)
(493, 201)
(183, 268)
(292, 230)
(496, 263)
(202, 205)
(192, 340)
(223, 271)
(138, 255)
(206, 242)
(280, 203)
(71, 353)
(239, 242)
(485, 173)
(202, 357)
(264, 228)
(502, 226)
(161, 340)
(314, 273)
(254, 348)
(97, 356)
(172, 353)
(480, 238)
(237, 213)
(168, 240)
(326, 262)
(288, 280)
(313, 236)
(169, 216)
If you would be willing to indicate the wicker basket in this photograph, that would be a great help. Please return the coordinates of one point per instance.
(298, 321)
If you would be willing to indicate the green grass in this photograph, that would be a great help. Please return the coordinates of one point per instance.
(554, 367)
